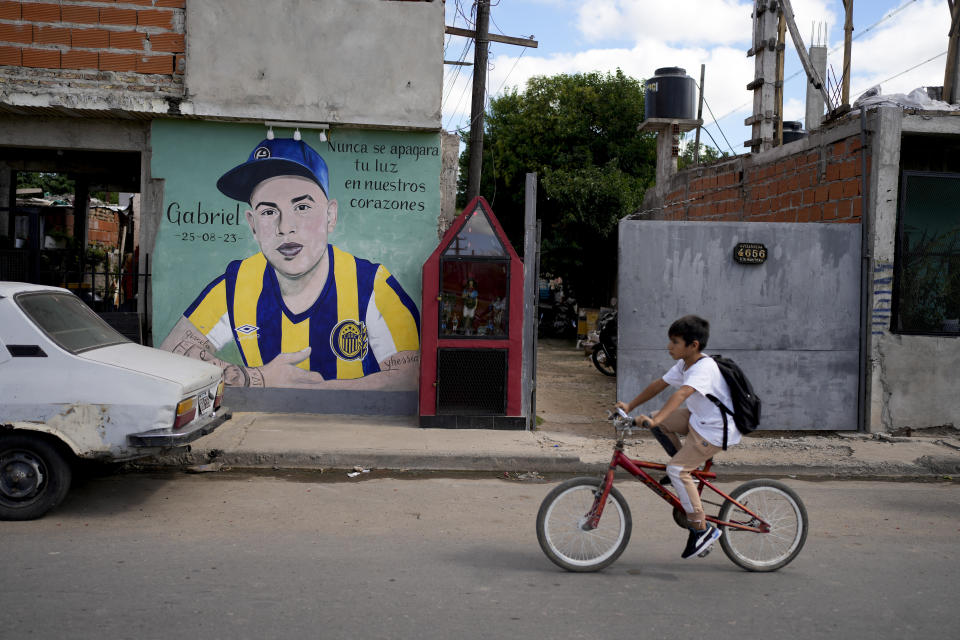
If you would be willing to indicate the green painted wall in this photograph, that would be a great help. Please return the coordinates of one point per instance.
(387, 185)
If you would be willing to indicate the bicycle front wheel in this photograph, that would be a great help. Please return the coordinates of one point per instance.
(564, 534)
(781, 508)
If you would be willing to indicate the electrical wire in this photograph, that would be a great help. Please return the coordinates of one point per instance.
(506, 77)
(456, 74)
(719, 128)
(907, 70)
(462, 57)
(715, 143)
(493, 156)
(459, 8)
(884, 18)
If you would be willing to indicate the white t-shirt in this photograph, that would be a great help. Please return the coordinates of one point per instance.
(705, 417)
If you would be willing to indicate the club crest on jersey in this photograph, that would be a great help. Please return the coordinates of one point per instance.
(349, 340)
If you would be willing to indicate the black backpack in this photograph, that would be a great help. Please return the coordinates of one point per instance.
(746, 403)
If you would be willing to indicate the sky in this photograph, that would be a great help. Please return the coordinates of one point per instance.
(898, 44)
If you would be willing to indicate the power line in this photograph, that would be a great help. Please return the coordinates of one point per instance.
(715, 143)
(459, 9)
(456, 75)
(908, 70)
(885, 17)
(506, 77)
(493, 156)
(463, 55)
(719, 128)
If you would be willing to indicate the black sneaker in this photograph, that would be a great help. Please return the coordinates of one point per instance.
(699, 541)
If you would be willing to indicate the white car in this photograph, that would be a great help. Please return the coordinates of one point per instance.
(72, 387)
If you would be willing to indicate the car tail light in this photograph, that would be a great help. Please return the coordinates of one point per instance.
(186, 412)
(219, 399)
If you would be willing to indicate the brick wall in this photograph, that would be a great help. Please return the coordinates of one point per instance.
(820, 184)
(120, 45)
(102, 227)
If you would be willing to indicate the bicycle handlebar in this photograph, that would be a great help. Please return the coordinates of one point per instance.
(625, 425)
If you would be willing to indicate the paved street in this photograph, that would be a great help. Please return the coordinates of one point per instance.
(285, 556)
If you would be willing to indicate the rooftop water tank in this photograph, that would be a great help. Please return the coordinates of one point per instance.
(792, 131)
(670, 93)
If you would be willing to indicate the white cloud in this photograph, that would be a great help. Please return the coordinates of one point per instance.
(795, 109)
(644, 35)
(809, 15)
(702, 22)
(909, 38)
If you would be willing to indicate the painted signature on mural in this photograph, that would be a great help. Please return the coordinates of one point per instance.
(178, 216)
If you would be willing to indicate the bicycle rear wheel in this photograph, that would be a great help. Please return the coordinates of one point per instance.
(561, 520)
(781, 508)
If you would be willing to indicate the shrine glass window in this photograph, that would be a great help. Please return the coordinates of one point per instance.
(474, 282)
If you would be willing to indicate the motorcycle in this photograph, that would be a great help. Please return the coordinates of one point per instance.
(559, 320)
(605, 351)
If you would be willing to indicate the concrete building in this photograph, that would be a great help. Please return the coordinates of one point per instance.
(162, 97)
(829, 268)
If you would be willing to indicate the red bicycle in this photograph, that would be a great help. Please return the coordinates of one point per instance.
(584, 524)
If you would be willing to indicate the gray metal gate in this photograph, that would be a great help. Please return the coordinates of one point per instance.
(791, 322)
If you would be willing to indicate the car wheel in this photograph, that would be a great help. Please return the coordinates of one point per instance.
(34, 476)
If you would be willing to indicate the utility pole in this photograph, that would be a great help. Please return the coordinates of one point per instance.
(951, 73)
(482, 38)
(696, 143)
(477, 106)
(847, 40)
(764, 49)
(778, 92)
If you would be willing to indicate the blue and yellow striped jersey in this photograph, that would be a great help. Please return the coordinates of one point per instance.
(361, 317)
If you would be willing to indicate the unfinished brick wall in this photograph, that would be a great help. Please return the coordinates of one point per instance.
(122, 45)
(821, 184)
(103, 227)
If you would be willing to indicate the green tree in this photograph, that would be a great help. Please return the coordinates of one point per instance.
(579, 134)
(54, 184)
(708, 155)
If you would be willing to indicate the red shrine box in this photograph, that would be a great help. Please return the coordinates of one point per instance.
(471, 324)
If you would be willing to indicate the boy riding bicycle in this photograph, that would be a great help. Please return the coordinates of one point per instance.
(696, 376)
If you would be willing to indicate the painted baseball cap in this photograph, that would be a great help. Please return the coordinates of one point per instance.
(272, 158)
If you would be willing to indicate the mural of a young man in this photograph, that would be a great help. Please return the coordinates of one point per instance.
(302, 312)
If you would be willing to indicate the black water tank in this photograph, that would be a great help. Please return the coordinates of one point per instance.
(671, 93)
(792, 131)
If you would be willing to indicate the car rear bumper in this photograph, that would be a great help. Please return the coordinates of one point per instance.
(169, 438)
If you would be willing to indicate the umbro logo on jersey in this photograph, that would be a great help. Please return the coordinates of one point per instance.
(247, 329)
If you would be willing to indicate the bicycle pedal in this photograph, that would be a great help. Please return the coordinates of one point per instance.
(705, 552)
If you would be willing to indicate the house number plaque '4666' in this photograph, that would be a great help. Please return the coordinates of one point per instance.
(750, 253)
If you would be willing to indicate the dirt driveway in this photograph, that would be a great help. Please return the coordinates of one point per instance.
(572, 396)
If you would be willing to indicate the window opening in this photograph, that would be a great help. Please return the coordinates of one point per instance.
(927, 276)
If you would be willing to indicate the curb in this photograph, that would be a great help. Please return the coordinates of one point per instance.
(926, 468)
(386, 461)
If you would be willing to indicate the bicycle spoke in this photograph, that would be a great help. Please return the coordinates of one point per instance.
(786, 527)
(561, 526)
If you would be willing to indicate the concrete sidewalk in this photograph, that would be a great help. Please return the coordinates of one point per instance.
(342, 442)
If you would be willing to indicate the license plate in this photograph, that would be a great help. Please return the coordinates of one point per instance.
(203, 401)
